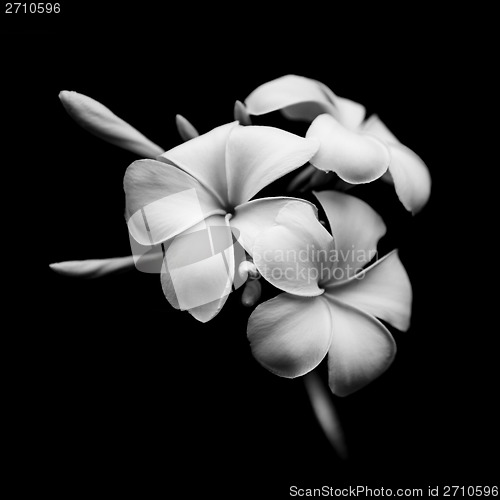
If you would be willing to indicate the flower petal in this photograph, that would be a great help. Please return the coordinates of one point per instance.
(290, 335)
(412, 180)
(103, 123)
(254, 217)
(382, 290)
(203, 158)
(302, 98)
(356, 158)
(294, 254)
(356, 228)
(93, 268)
(360, 351)
(375, 126)
(257, 156)
(349, 113)
(162, 201)
(198, 270)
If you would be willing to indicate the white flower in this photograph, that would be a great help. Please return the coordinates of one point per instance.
(205, 184)
(358, 150)
(331, 306)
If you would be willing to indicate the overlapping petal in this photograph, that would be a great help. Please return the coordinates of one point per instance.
(356, 157)
(382, 290)
(349, 113)
(103, 123)
(407, 171)
(411, 177)
(204, 158)
(162, 201)
(356, 228)
(301, 98)
(375, 126)
(254, 217)
(290, 335)
(295, 254)
(360, 351)
(257, 156)
(197, 274)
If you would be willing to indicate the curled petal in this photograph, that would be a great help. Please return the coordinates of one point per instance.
(294, 254)
(254, 217)
(93, 268)
(356, 158)
(360, 351)
(302, 98)
(185, 129)
(356, 228)
(290, 335)
(257, 156)
(203, 158)
(382, 290)
(163, 201)
(349, 113)
(411, 177)
(375, 126)
(103, 123)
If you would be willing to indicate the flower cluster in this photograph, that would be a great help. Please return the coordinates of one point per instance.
(195, 217)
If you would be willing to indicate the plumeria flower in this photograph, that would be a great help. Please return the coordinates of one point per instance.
(204, 184)
(358, 150)
(332, 295)
(200, 186)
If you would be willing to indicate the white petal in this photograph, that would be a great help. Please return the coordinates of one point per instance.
(93, 268)
(412, 180)
(356, 228)
(198, 271)
(382, 290)
(360, 351)
(162, 201)
(374, 125)
(301, 98)
(295, 253)
(257, 156)
(290, 335)
(349, 113)
(356, 158)
(254, 217)
(103, 123)
(203, 157)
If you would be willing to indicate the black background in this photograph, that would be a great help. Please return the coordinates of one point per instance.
(114, 391)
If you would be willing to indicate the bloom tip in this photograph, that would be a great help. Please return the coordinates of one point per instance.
(185, 128)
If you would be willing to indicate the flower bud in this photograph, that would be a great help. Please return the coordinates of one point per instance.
(185, 129)
(103, 123)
